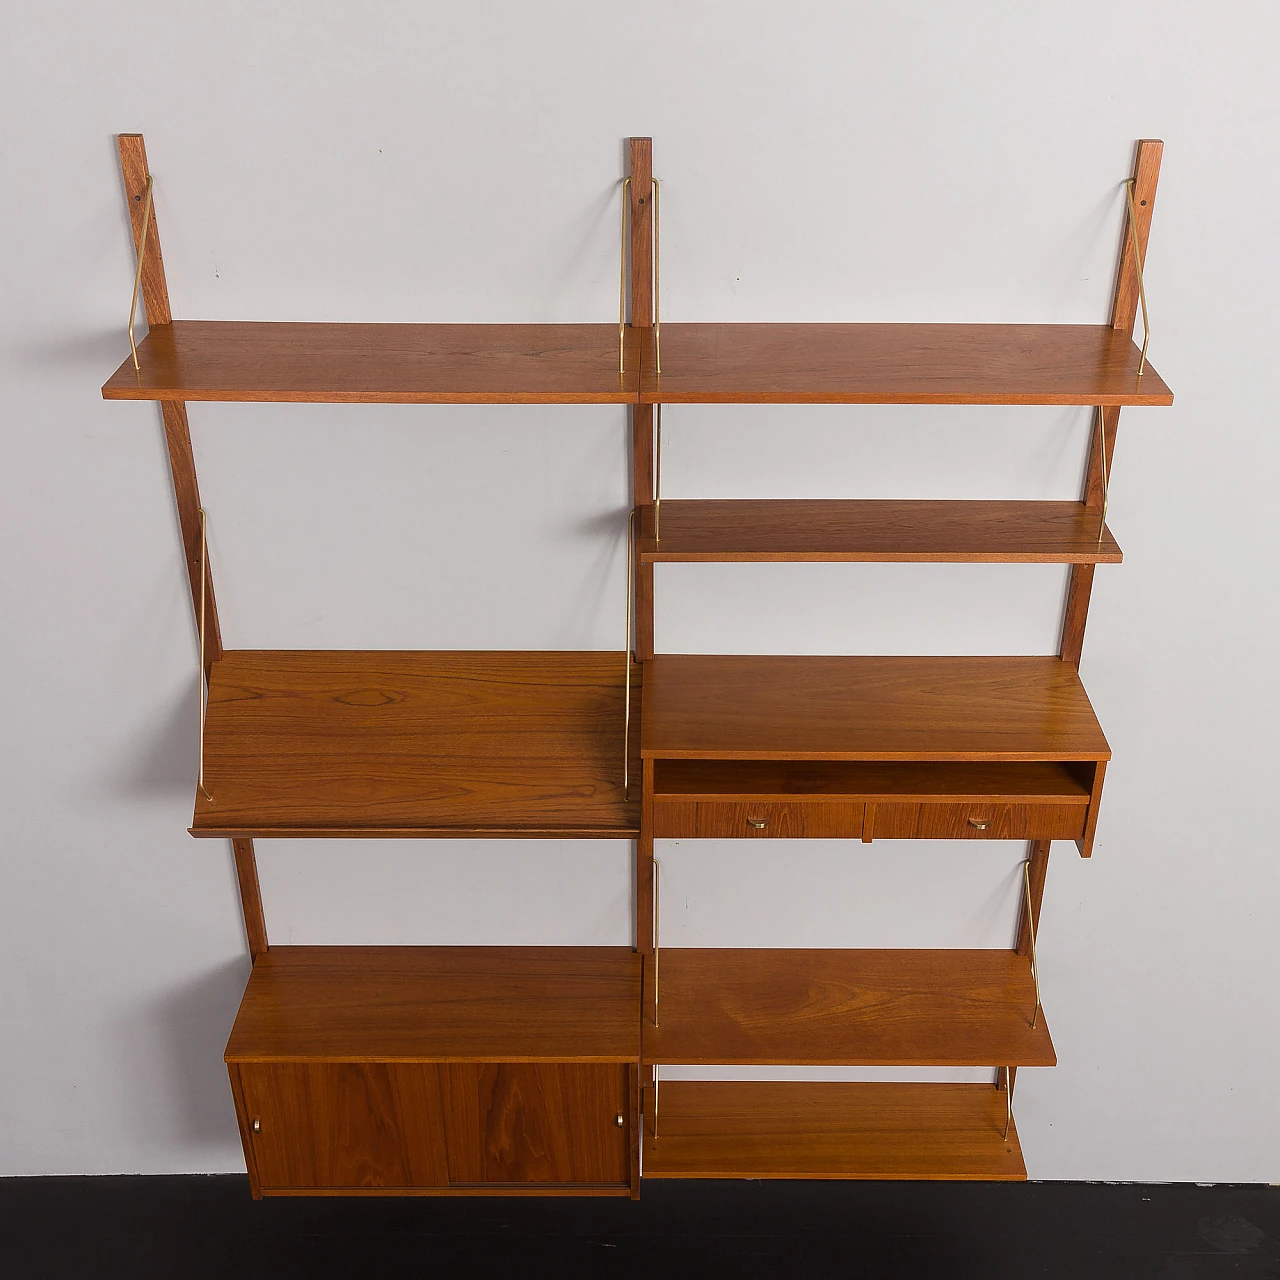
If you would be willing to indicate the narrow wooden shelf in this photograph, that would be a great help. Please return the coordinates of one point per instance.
(735, 1006)
(741, 1129)
(436, 1004)
(1085, 364)
(718, 531)
(380, 364)
(702, 706)
(414, 744)
(1029, 782)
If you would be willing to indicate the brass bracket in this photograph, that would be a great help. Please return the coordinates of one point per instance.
(1130, 183)
(656, 889)
(203, 687)
(1031, 934)
(137, 275)
(627, 655)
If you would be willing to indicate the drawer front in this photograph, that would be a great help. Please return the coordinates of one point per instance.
(748, 819)
(976, 820)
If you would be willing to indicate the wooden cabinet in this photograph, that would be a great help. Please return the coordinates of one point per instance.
(433, 1127)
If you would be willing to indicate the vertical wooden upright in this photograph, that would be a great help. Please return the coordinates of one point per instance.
(1124, 314)
(154, 296)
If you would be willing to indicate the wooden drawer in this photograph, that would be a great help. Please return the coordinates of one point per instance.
(761, 819)
(365, 1127)
(975, 820)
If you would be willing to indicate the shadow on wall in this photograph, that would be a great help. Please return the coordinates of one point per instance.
(188, 1027)
(165, 758)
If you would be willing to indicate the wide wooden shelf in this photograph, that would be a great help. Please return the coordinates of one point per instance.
(739, 1006)
(412, 744)
(1050, 364)
(380, 363)
(781, 1129)
(437, 1004)
(756, 530)
(704, 706)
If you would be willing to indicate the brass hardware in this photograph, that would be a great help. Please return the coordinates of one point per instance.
(619, 1120)
(137, 275)
(203, 687)
(657, 321)
(622, 284)
(980, 824)
(1008, 1102)
(657, 482)
(1106, 470)
(1031, 934)
(655, 1101)
(656, 870)
(626, 657)
(257, 1125)
(758, 823)
(1137, 264)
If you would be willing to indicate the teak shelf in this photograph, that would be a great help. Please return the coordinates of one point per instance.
(538, 1070)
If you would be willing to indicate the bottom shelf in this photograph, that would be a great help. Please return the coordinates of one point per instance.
(753, 1129)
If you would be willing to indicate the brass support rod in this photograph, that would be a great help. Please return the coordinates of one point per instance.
(622, 284)
(1031, 935)
(137, 275)
(1106, 470)
(657, 480)
(1008, 1102)
(656, 887)
(627, 655)
(1130, 183)
(203, 687)
(657, 295)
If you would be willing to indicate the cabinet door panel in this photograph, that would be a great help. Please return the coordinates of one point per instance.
(523, 1122)
(345, 1124)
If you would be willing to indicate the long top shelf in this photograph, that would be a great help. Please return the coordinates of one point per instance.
(381, 364)
(704, 706)
(1085, 364)
(578, 364)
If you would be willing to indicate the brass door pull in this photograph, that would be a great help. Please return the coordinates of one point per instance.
(758, 823)
(980, 824)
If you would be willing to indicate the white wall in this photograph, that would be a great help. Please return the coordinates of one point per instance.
(822, 161)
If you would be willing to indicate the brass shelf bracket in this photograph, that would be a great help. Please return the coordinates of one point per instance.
(1008, 1102)
(137, 275)
(657, 478)
(1031, 935)
(1129, 185)
(622, 283)
(657, 292)
(627, 654)
(656, 887)
(202, 683)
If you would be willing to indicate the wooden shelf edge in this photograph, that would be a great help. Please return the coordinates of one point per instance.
(628, 832)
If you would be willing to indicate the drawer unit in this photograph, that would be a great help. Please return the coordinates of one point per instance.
(974, 820)
(762, 819)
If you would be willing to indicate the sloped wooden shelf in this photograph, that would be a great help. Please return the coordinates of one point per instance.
(741, 1129)
(719, 531)
(1082, 364)
(741, 1006)
(410, 744)
(704, 706)
(380, 364)
(426, 1004)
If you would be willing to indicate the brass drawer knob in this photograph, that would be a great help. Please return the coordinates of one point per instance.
(257, 1125)
(980, 824)
(758, 823)
(619, 1120)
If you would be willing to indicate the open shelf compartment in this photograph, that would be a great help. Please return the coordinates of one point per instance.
(781, 1129)
(350, 743)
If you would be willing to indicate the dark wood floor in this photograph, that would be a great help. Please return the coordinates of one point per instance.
(193, 1227)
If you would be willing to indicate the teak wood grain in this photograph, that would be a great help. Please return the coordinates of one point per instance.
(784, 1129)
(864, 708)
(722, 1006)
(380, 364)
(1049, 364)
(358, 743)
(758, 530)
(440, 1004)
(975, 820)
(758, 819)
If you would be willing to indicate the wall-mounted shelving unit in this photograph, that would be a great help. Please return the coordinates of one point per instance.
(537, 1070)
